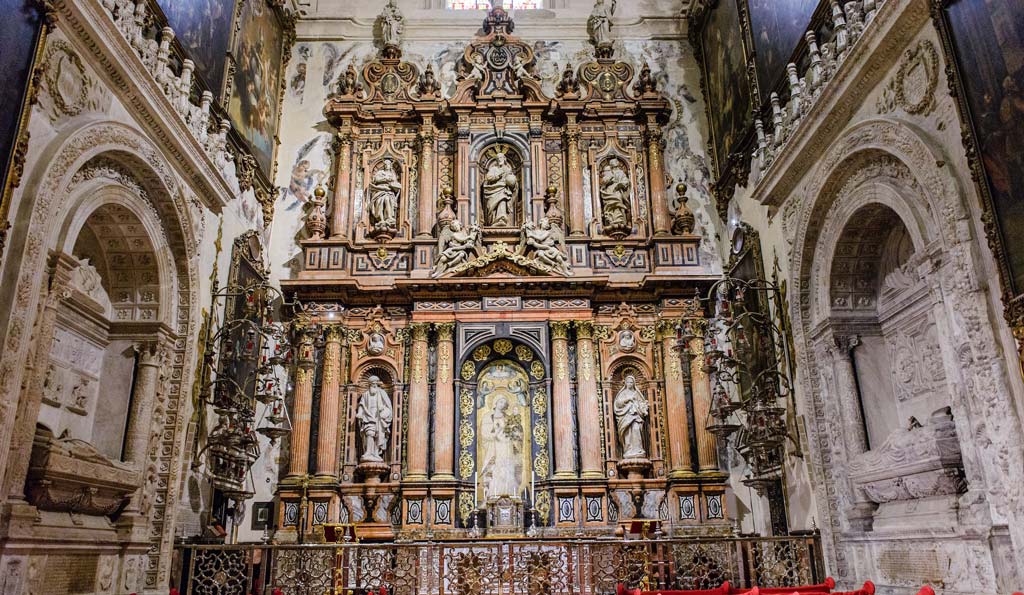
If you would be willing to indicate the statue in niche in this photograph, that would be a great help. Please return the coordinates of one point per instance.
(392, 24)
(455, 247)
(384, 191)
(599, 25)
(374, 414)
(631, 410)
(500, 189)
(614, 192)
(627, 340)
(545, 244)
(499, 472)
(375, 344)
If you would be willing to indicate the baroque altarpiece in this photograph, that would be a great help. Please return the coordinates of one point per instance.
(495, 288)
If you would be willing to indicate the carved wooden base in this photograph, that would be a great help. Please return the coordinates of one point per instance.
(635, 469)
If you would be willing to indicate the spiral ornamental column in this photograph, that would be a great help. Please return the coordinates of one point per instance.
(419, 406)
(561, 399)
(589, 404)
(298, 458)
(330, 406)
(444, 394)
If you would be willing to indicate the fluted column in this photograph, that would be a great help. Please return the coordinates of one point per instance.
(588, 404)
(340, 205)
(846, 387)
(656, 167)
(427, 197)
(577, 222)
(298, 461)
(561, 399)
(676, 381)
(700, 384)
(444, 409)
(149, 358)
(419, 407)
(330, 405)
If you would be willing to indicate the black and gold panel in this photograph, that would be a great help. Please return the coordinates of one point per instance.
(777, 28)
(503, 424)
(986, 40)
(203, 28)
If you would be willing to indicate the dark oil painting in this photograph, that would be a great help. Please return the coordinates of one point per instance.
(777, 27)
(728, 92)
(19, 34)
(203, 27)
(988, 40)
(255, 107)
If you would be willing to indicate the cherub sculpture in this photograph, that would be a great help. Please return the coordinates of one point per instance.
(545, 244)
(456, 246)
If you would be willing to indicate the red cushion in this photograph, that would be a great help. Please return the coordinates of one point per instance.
(926, 590)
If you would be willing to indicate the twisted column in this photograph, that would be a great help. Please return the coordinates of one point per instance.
(298, 460)
(330, 405)
(561, 399)
(444, 413)
(416, 444)
(588, 402)
(676, 381)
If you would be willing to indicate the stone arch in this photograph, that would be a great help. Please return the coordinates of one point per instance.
(892, 166)
(68, 167)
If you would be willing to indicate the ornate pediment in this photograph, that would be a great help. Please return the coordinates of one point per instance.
(501, 260)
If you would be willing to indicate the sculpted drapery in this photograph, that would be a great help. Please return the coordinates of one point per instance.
(384, 191)
(500, 189)
(374, 413)
(631, 410)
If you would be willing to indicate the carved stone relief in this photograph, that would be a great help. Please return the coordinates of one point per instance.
(68, 90)
(912, 89)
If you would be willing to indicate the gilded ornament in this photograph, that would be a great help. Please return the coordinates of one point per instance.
(540, 401)
(586, 360)
(502, 346)
(303, 376)
(540, 433)
(445, 331)
(537, 370)
(543, 507)
(648, 332)
(524, 353)
(481, 353)
(560, 329)
(465, 464)
(468, 370)
(466, 403)
(419, 331)
(465, 506)
(561, 361)
(540, 463)
(444, 359)
(419, 366)
(466, 433)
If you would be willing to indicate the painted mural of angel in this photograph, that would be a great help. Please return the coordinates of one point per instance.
(456, 246)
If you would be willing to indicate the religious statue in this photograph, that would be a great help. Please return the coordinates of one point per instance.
(499, 469)
(500, 190)
(631, 411)
(544, 244)
(391, 24)
(384, 191)
(375, 344)
(615, 191)
(374, 414)
(627, 340)
(455, 247)
(599, 25)
(522, 72)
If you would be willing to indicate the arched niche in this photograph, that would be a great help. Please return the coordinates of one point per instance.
(618, 370)
(506, 161)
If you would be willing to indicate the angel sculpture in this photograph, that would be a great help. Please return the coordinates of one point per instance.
(456, 247)
(545, 244)
(522, 72)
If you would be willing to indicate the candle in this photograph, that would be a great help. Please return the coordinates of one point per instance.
(476, 489)
(533, 487)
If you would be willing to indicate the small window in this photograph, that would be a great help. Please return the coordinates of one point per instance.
(486, 4)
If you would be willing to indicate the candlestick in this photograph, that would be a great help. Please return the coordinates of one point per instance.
(533, 487)
(476, 490)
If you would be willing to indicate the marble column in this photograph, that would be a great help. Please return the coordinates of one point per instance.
(680, 461)
(577, 222)
(846, 388)
(444, 407)
(298, 459)
(656, 167)
(707, 447)
(419, 406)
(427, 204)
(330, 406)
(149, 359)
(591, 459)
(561, 400)
(340, 206)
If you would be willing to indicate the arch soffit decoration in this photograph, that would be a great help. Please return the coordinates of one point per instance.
(470, 352)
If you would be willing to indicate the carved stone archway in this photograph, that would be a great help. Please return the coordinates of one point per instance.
(920, 186)
(60, 185)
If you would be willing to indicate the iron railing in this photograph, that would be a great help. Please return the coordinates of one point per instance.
(569, 567)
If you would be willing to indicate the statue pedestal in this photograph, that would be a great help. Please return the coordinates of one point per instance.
(634, 469)
(372, 471)
(504, 516)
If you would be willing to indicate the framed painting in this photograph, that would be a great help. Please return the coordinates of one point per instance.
(22, 35)
(777, 28)
(203, 28)
(984, 41)
(727, 91)
(256, 87)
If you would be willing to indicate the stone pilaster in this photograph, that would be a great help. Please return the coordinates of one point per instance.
(561, 400)
(419, 407)
(298, 459)
(677, 380)
(444, 407)
(340, 206)
(591, 459)
(330, 406)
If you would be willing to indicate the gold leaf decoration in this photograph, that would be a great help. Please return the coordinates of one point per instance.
(540, 401)
(537, 370)
(465, 465)
(468, 370)
(524, 353)
(540, 433)
(481, 353)
(466, 433)
(466, 403)
(502, 346)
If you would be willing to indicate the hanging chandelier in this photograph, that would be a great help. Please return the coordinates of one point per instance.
(742, 349)
(247, 360)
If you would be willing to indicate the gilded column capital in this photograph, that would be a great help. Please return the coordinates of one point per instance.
(584, 329)
(445, 331)
(560, 329)
(419, 330)
(336, 333)
(666, 328)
